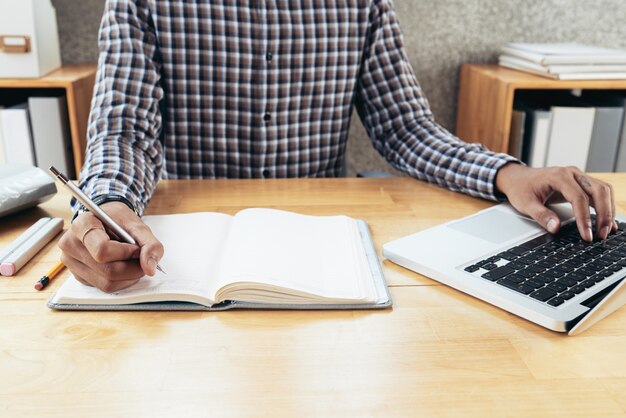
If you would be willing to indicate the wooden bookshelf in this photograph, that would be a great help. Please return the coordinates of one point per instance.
(77, 81)
(486, 94)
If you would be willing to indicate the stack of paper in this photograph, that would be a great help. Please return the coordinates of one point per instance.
(565, 61)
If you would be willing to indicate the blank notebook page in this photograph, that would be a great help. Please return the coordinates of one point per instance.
(311, 254)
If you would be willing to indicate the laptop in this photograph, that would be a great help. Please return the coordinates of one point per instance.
(505, 258)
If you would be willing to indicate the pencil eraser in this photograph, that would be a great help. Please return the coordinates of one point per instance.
(38, 286)
(7, 269)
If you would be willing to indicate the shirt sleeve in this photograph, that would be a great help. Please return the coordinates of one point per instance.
(124, 154)
(399, 121)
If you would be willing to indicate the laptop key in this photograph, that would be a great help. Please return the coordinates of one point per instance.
(543, 278)
(544, 294)
(516, 265)
(559, 287)
(534, 283)
(598, 277)
(543, 264)
(521, 288)
(588, 283)
(568, 281)
(554, 273)
(576, 276)
(515, 278)
(506, 255)
(472, 268)
(490, 266)
(498, 273)
(518, 250)
(535, 268)
(567, 295)
(556, 301)
(526, 273)
(586, 271)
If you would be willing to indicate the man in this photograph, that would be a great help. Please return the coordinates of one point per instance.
(215, 89)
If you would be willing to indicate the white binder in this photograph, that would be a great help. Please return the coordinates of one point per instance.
(29, 39)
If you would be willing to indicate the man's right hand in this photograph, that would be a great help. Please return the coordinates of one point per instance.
(97, 260)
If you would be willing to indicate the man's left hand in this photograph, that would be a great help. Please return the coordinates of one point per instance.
(529, 190)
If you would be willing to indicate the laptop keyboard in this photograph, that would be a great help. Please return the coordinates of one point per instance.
(555, 268)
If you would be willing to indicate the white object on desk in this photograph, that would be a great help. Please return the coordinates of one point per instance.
(23, 186)
(29, 39)
(28, 244)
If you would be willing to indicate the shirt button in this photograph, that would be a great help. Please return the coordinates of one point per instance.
(266, 173)
(267, 117)
(269, 56)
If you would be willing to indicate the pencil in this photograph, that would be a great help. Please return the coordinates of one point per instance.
(43, 282)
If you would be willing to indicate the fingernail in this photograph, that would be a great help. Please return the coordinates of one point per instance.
(552, 226)
(152, 263)
(605, 232)
(589, 234)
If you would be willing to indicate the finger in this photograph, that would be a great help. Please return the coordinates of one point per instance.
(104, 250)
(600, 193)
(151, 248)
(75, 266)
(115, 270)
(91, 233)
(107, 283)
(544, 216)
(81, 280)
(579, 199)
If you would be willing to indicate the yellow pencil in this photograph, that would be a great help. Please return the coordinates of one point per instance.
(43, 282)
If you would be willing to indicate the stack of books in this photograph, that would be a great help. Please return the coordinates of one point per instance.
(586, 130)
(565, 61)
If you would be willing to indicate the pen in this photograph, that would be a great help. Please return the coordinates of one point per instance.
(120, 233)
(43, 282)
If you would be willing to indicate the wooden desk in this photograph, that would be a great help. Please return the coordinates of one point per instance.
(438, 352)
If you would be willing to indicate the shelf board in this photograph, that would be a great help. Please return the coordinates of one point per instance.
(524, 80)
(61, 77)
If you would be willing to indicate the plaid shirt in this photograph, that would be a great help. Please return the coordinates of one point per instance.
(260, 88)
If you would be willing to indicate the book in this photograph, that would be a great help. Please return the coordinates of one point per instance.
(536, 135)
(3, 159)
(564, 53)
(605, 139)
(570, 136)
(560, 69)
(565, 72)
(51, 136)
(516, 134)
(258, 258)
(16, 134)
(619, 99)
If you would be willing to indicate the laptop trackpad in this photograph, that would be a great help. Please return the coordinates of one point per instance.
(495, 226)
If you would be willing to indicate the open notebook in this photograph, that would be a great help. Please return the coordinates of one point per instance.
(258, 258)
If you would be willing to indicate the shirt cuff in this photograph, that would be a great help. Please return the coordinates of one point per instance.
(102, 188)
(481, 181)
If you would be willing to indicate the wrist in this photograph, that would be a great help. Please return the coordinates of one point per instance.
(102, 199)
(505, 177)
